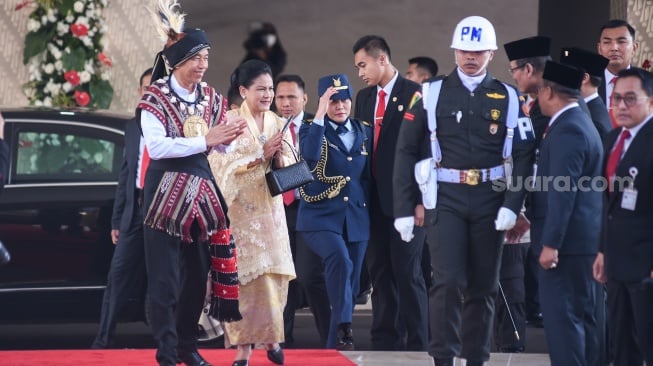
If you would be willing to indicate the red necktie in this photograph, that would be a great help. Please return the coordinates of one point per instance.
(289, 197)
(293, 134)
(145, 162)
(615, 156)
(612, 119)
(378, 121)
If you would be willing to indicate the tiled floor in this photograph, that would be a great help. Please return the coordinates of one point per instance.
(365, 358)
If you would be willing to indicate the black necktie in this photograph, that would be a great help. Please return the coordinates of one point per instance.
(341, 129)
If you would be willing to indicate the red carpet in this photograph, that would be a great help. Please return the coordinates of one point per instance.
(137, 357)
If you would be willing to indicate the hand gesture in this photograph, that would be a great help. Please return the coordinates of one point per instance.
(548, 257)
(419, 215)
(521, 227)
(324, 102)
(225, 133)
(273, 145)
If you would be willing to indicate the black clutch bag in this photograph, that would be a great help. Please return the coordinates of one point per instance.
(289, 177)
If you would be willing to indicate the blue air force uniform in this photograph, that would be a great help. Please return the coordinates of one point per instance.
(333, 219)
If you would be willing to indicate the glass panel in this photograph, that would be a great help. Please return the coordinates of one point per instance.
(46, 153)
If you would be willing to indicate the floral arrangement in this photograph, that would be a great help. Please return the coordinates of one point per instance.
(63, 52)
(646, 65)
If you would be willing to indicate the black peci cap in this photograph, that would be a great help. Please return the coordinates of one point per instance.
(593, 63)
(565, 75)
(528, 47)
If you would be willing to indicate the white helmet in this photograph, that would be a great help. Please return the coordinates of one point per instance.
(474, 34)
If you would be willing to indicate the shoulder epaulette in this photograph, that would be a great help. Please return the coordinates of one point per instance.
(366, 123)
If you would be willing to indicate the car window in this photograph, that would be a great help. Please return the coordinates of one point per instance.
(55, 153)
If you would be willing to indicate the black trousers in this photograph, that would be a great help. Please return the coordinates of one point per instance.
(309, 286)
(512, 308)
(126, 279)
(177, 274)
(465, 255)
(567, 298)
(631, 322)
(531, 268)
(399, 297)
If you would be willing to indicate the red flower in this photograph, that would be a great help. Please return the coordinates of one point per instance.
(104, 59)
(646, 64)
(79, 30)
(23, 4)
(82, 98)
(72, 77)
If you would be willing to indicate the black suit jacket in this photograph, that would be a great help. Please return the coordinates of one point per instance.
(398, 103)
(600, 116)
(627, 240)
(563, 217)
(123, 206)
(602, 91)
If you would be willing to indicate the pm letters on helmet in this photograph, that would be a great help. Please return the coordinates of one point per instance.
(473, 33)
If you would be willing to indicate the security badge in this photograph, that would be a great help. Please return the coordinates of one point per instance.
(494, 127)
(496, 95)
(629, 197)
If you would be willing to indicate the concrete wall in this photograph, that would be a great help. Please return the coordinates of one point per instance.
(318, 36)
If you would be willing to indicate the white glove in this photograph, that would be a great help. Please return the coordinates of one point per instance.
(404, 226)
(506, 219)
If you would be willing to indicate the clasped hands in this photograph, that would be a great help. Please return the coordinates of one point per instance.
(225, 133)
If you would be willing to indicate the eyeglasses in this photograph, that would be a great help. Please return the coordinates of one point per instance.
(513, 69)
(630, 99)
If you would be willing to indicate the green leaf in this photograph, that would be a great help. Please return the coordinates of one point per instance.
(101, 93)
(66, 6)
(74, 60)
(36, 42)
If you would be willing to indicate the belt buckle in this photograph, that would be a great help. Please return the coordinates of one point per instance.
(472, 177)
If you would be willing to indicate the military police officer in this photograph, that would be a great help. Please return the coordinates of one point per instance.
(482, 149)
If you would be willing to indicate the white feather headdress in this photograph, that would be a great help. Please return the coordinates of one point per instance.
(169, 19)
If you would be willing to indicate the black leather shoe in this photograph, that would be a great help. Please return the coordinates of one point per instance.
(345, 338)
(515, 349)
(535, 320)
(192, 358)
(240, 363)
(443, 361)
(363, 297)
(276, 356)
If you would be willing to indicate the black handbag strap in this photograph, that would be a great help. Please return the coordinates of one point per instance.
(295, 154)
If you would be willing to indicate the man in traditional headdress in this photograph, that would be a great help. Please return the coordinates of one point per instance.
(182, 119)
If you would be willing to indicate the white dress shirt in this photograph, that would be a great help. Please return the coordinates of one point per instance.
(158, 144)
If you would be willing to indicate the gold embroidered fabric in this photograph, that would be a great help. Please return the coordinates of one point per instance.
(258, 220)
(261, 303)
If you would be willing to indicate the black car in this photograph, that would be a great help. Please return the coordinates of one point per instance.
(55, 214)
